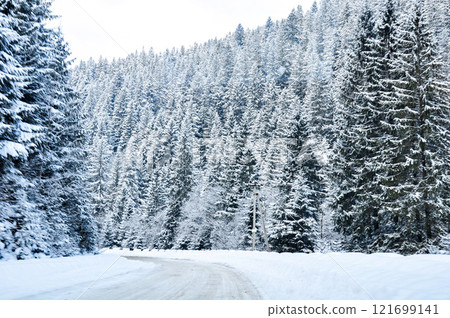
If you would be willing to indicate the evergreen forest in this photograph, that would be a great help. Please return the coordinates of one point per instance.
(338, 116)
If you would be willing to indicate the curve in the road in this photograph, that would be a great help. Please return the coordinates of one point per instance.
(177, 279)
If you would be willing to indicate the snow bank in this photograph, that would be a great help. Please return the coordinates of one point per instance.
(331, 276)
(20, 279)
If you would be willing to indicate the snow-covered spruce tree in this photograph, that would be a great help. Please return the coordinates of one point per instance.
(128, 200)
(152, 196)
(288, 43)
(69, 226)
(362, 138)
(312, 83)
(233, 189)
(239, 35)
(248, 176)
(352, 149)
(110, 228)
(368, 111)
(98, 172)
(214, 185)
(197, 213)
(47, 218)
(294, 228)
(316, 106)
(376, 54)
(416, 182)
(301, 184)
(73, 178)
(16, 135)
(340, 195)
(179, 183)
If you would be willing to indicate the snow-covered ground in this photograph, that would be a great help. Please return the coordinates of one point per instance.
(276, 276)
(24, 279)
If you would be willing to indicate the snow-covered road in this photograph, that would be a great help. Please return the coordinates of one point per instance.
(124, 274)
(171, 279)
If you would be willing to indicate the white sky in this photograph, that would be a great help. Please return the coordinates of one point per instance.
(124, 26)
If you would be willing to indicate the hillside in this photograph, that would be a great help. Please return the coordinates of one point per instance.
(331, 126)
(339, 115)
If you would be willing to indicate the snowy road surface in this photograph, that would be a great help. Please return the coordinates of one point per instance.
(171, 279)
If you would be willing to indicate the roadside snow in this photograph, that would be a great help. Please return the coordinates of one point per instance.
(21, 279)
(331, 276)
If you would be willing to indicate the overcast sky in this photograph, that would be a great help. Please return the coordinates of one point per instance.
(115, 28)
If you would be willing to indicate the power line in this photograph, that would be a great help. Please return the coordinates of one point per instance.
(101, 27)
(351, 277)
(101, 275)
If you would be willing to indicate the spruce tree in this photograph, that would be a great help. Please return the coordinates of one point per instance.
(416, 182)
(180, 184)
(16, 133)
(42, 151)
